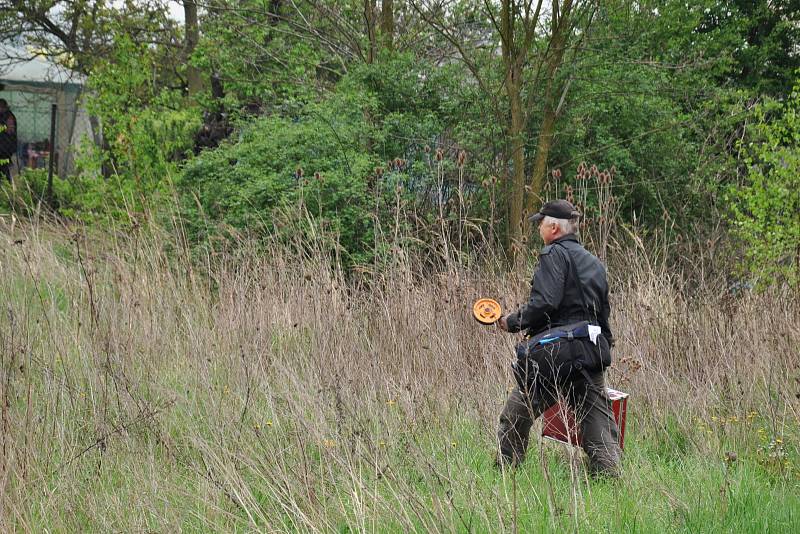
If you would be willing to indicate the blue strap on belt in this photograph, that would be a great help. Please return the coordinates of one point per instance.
(569, 335)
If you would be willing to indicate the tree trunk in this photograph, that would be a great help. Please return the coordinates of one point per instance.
(193, 76)
(560, 28)
(372, 36)
(516, 126)
(516, 223)
(387, 23)
(543, 145)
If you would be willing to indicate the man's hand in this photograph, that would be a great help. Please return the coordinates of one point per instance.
(502, 324)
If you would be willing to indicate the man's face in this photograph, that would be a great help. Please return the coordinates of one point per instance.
(547, 231)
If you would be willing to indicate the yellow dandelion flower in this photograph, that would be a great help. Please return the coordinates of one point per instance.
(453, 444)
(269, 423)
(391, 402)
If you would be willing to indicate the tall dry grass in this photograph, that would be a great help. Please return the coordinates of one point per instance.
(261, 388)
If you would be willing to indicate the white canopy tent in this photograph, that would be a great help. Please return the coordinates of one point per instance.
(31, 88)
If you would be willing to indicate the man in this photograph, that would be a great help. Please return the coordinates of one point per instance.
(568, 286)
(8, 138)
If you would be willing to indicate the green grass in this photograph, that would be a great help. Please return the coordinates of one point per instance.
(440, 479)
(186, 409)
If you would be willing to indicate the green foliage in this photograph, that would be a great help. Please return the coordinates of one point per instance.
(312, 163)
(143, 157)
(29, 192)
(96, 199)
(758, 36)
(147, 132)
(261, 59)
(647, 102)
(327, 162)
(662, 91)
(638, 131)
(407, 96)
(766, 209)
(122, 82)
(88, 198)
(80, 34)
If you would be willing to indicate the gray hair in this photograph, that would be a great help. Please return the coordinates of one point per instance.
(567, 226)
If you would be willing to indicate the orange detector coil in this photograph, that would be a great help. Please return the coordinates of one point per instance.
(486, 311)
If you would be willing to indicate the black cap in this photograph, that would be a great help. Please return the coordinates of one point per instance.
(558, 209)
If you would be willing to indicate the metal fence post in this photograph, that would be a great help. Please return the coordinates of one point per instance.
(53, 111)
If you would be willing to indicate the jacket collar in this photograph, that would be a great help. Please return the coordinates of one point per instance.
(568, 237)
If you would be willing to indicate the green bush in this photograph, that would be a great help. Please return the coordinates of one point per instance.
(323, 170)
(143, 157)
(148, 133)
(279, 167)
(766, 210)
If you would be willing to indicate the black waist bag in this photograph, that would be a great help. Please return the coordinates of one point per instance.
(557, 354)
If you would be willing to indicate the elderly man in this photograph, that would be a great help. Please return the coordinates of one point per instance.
(568, 345)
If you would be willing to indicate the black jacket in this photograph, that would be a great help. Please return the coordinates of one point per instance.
(555, 297)
(8, 140)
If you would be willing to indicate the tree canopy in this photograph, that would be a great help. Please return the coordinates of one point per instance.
(476, 110)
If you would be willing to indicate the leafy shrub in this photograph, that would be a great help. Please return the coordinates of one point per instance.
(341, 165)
(766, 210)
(148, 134)
(313, 163)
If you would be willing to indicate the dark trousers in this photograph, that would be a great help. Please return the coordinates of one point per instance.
(592, 408)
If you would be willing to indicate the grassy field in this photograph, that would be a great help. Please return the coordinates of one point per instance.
(146, 392)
